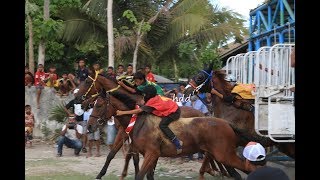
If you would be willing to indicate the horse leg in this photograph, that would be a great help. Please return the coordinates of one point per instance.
(204, 167)
(136, 159)
(150, 174)
(127, 159)
(115, 148)
(149, 162)
(233, 173)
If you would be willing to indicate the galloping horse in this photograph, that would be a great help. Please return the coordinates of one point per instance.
(212, 135)
(91, 88)
(122, 136)
(205, 80)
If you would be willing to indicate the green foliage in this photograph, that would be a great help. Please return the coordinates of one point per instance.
(209, 54)
(58, 114)
(47, 30)
(90, 46)
(54, 50)
(129, 15)
(186, 49)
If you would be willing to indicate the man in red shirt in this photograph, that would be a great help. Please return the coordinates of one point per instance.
(39, 82)
(149, 74)
(163, 107)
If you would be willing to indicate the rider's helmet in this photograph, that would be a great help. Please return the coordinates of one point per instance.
(230, 78)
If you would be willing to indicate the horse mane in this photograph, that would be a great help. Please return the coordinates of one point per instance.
(225, 85)
(124, 98)
(109, 78)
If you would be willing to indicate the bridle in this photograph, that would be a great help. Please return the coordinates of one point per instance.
(197, 88)
(102, 119)
(93, 84)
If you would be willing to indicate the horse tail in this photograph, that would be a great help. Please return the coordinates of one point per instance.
(245, 136)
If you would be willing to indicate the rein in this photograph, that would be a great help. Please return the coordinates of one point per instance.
(197, 88)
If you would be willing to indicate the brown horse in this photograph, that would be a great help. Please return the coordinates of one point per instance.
(205, 80)
(95, 83)
(213, 135)
(132, 152)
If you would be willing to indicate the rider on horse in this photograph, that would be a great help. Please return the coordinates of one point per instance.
(163, 107)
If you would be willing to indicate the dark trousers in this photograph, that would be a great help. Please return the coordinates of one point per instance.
(165, 121)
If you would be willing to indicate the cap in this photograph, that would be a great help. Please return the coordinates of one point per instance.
(75, 91)
(253, 150)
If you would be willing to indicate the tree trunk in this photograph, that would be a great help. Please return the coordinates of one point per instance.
(31, 54)
(176, 76)
(110, 34)
(42, 44)
(135, 53)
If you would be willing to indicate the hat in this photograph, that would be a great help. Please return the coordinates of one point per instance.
(253, 150)
(75, 91)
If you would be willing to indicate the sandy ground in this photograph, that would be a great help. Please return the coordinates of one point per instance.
(41, 160)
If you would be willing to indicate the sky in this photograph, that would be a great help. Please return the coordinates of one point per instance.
(243, 7)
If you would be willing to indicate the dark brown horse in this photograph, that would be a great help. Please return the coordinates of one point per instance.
(212, 135)
(95, 83)
(205, 80)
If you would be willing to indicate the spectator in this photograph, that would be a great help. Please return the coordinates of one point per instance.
(65, 85)
(255, 155)
(28, 77)
(73, 79)
(149, 74)
(110, 73)
(97, 67)
(70, 136)
(93, 138)
(28, 124)
(82, 72)
(141, 82)
(40, 82)
(120, 71)
(78, 115)
(111, 132)
(52, 77)
(129, 71)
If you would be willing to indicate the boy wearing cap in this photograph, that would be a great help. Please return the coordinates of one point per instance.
(255, 155)
(160, 106)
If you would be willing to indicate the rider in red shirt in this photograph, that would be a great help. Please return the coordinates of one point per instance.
(160, 106)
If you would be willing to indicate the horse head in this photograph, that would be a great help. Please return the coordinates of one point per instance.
(102, 110)
(200, 82)
(88, 88)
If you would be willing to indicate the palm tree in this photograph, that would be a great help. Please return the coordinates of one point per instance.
(42, 45)
(29, 9)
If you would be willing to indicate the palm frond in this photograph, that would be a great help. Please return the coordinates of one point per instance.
(58, 113)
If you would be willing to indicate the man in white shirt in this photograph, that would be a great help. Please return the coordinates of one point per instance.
(71, 137)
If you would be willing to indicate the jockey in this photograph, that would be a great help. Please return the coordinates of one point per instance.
(160, 106)
(243, 90)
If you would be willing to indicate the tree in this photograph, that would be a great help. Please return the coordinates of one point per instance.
(42, 44)
(110, 34)
(30, 8)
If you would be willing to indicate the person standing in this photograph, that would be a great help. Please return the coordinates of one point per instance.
(40, 82)
(149, 75)
(82, 72)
